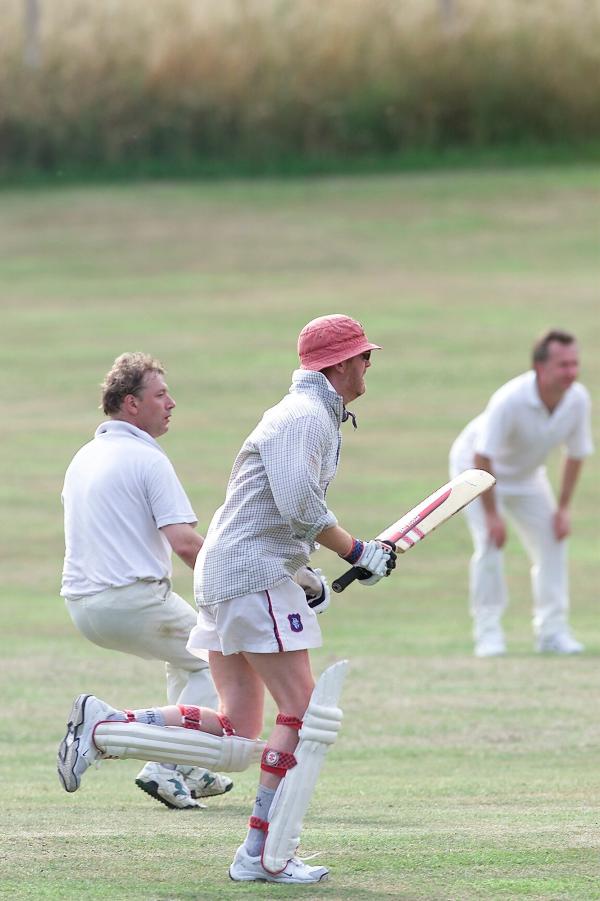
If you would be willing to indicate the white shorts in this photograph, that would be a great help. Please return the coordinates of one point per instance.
(266, 622)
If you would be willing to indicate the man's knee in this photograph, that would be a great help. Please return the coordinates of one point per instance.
(293, 698)
(246, 724)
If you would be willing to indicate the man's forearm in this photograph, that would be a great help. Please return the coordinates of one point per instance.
(488, 498)
(336, 539)
(185, 541)
(570, 475)
(189, 554)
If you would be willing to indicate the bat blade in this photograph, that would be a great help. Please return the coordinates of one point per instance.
(428, 515)
(437, 508)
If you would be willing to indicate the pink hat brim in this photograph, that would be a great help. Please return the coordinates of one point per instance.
(323, 358)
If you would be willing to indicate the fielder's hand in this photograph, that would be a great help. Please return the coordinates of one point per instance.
(376, 558)
(316, 588)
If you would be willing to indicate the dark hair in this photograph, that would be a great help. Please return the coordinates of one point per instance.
(541, 348)
(126, 377)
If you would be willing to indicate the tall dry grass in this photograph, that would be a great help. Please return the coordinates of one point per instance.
(260, 79)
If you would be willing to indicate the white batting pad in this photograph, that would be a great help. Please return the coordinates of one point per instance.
(320, 726)
(173, 744)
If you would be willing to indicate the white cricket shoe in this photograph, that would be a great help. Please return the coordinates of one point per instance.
(561, 643)
(250, 869)
(167, 786)
(492, 645)
(77, 750)
(204, 784)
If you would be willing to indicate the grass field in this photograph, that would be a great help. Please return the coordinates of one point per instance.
(453, 778)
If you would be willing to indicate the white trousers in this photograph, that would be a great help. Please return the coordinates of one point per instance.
(148, 620)
(532, 517)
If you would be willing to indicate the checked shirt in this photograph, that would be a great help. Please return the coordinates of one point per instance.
(275, 503)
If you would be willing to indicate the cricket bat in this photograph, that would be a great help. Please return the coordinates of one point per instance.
(427, 516)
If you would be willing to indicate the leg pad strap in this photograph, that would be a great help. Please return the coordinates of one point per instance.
(173, 744)
(190, 716)
(283, 719)
(277, 762)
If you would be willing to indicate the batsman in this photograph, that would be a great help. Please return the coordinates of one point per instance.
(258, 601)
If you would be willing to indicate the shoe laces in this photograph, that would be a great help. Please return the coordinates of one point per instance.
(299, 859)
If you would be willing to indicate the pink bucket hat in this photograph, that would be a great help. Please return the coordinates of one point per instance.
(328, 340)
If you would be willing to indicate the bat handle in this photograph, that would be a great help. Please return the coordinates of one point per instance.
(355, 572)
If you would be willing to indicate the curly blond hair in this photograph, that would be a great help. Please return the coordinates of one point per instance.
(125, 377)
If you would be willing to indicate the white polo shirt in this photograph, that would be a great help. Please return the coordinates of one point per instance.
(517, 432)
(119, 490)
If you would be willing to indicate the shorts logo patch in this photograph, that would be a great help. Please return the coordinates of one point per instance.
(295, 622)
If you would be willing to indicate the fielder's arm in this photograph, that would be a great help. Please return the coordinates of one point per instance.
(495, 523)
(184, 540)
(570, 475)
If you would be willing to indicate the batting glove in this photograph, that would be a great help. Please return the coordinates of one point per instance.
(316, 588)
(376, 558)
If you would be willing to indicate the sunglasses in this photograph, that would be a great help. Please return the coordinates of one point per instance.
(366, 355)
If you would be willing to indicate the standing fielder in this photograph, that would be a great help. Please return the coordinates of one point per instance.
(526, 418)
(257, 603)
(125, 512)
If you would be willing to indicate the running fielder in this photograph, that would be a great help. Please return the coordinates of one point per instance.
(125, 512)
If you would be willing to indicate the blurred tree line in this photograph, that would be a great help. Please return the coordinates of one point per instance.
(86, 85)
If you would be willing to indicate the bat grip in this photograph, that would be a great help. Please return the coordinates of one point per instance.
(355, 572)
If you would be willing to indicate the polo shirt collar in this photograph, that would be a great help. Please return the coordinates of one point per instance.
(119, 428)
(534, 399)
(532, 393)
